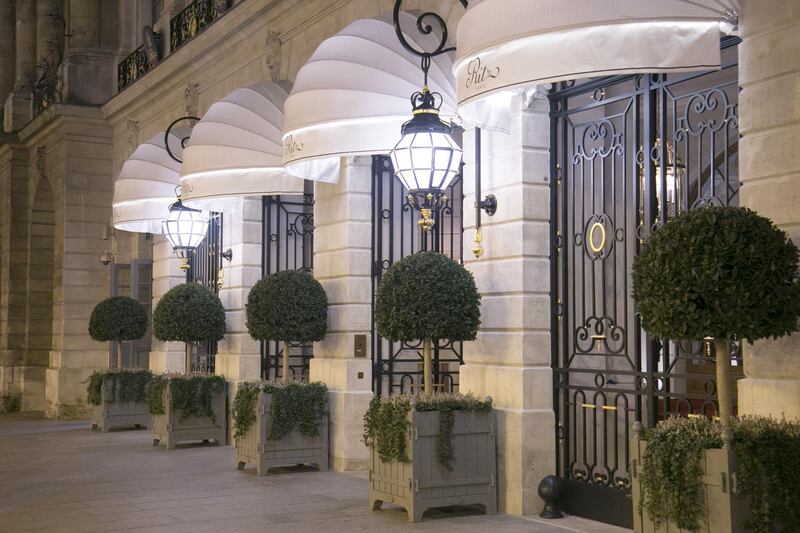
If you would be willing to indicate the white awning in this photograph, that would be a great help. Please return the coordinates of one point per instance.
(146, 185)
(354, 93)
(512, 44)
(235, 150)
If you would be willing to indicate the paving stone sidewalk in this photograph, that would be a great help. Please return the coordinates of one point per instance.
(58, 476)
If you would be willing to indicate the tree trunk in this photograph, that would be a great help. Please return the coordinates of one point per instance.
(427, 370)
(285, 376)
(188, 358)
(119, 355)
(722, 347)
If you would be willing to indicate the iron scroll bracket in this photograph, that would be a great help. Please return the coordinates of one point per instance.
(184, 140)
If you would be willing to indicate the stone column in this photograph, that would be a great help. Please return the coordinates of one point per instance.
(510, 360)
(166, 356)
(342, 264)
(18, 110)
(7, 49)
(238, 355)
(89, 70)
(769, 124)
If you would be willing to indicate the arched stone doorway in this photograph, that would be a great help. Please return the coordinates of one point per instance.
(39, 323)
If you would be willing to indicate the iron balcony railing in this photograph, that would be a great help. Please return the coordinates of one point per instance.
(193, 20)
(133, 67)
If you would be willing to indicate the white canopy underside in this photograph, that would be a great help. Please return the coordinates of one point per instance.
(354, 93)
(507, 45)
(236, 151)
(146, 185)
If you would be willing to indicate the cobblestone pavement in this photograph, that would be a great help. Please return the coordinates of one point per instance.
(58, 476)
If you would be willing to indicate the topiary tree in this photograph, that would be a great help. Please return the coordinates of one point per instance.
(118, 319)
(720, 272)
(189, 313)
(287, 306)
(427, 296)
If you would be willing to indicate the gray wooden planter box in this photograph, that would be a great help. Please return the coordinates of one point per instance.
(724, 511)
(112, 413)
(293, 449)
(422, 483)
(171, 430)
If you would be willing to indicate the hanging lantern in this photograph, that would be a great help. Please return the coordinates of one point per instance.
(185, 228)
(427, 159)
(671, 179)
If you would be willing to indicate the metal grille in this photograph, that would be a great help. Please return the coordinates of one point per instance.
(628, 154)
(194, 19)
(397, 367)
(204, 266)
(287, 237)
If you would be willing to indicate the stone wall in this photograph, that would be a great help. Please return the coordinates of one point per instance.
(769, 114)
(510, 360)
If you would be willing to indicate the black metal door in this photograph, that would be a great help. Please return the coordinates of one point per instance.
(628, 153)
(287, 237)
(397, 367)
(204, 266)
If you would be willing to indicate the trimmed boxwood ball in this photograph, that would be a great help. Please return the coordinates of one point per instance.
(427, 295)
(189, 313)
(287, 306)
(720, 272)
(119, 318)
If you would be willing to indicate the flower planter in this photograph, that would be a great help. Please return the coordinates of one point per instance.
(112, 413)
(422, 483)
(294, 448)
(724, 511)
(170, 429)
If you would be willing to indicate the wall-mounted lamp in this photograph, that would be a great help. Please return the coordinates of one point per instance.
(488, 204)
(107, 257)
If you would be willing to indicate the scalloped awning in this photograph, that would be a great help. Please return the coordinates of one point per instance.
(146, 185)
(235, 150)
(505, 45)
(354, 93)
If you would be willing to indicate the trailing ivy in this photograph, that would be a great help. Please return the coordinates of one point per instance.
(155, 395)
(189, 395)
(386, 423)
(447, 405)
(768, 458)
(244, 408)
(123, 385)
(296, 405)
(768, 479)
(386, 426)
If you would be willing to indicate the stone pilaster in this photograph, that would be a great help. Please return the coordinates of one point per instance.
(342, 261)
(510, 360)
(166, 356)
(238, 355)
(769, 123)
(81, 174)
(18, 106)
(13, 282)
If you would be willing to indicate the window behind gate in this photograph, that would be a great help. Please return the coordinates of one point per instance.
(287, 237)
(204, 266)
(397, 367)
(628, 154)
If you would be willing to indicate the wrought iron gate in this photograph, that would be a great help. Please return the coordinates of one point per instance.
(397, 367)
(204, 266)
(628, 153)
(287, 243)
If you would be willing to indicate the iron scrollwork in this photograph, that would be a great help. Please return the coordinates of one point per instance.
(46, 87)
(194, 18)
